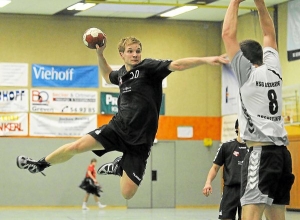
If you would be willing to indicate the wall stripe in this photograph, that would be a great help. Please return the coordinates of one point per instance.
(204, 127)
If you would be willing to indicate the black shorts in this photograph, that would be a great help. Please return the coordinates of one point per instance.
(230, 202)
(90, 187)
(267, 176)
(134, 158)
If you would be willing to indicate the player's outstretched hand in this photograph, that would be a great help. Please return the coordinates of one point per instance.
(207, 190)
(217, 60)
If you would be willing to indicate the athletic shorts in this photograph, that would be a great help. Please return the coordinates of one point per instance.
(267, 176)
(230, 202)
(134, 158)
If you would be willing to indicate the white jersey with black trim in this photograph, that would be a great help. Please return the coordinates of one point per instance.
(260, 104)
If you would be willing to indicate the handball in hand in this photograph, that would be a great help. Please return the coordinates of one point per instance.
(93, 36)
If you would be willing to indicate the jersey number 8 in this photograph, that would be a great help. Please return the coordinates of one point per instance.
(273, 104)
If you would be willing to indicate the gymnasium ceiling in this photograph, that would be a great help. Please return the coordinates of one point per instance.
(208, 10)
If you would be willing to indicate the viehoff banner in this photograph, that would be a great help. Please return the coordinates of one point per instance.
(64, 76)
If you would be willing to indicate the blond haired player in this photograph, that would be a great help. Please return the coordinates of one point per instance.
(132, 130)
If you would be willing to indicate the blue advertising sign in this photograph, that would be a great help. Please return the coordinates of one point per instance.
(64, 76)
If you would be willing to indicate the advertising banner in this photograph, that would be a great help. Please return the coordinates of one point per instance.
(66, 101)
(14, 100)
(64, 76)
(61, 125)
(13, 74)
(109, 103)
(14, 124)
(293, 30)
(108, 85)
(163, 106)
(230, 91)
(228, 130)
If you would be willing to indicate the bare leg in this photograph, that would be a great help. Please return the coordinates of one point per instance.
(128, 187)
(96, 198)
(67, 151)
(84, 144)
(275, 212)
(86, 197)
(253, 211)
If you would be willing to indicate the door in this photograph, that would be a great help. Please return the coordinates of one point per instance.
(163, 175)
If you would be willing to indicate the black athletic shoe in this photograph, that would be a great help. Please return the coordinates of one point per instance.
(24, 162)
(111, 168)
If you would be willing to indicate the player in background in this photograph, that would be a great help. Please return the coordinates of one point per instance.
(132, 130)
(230, 155)
(267, 169)
(91, 186)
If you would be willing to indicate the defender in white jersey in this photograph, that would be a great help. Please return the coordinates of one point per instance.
(267, 169)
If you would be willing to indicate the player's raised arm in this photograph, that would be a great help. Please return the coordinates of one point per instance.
(105, 69)
(94, 38)
(230, 29)
(266, 24)
(190, 62)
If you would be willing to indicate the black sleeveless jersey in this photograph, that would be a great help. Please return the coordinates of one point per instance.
(231, 154)
(139, 101)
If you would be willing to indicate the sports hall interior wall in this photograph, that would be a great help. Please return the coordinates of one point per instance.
(190, 162)
(196, 92)
(58, 41)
